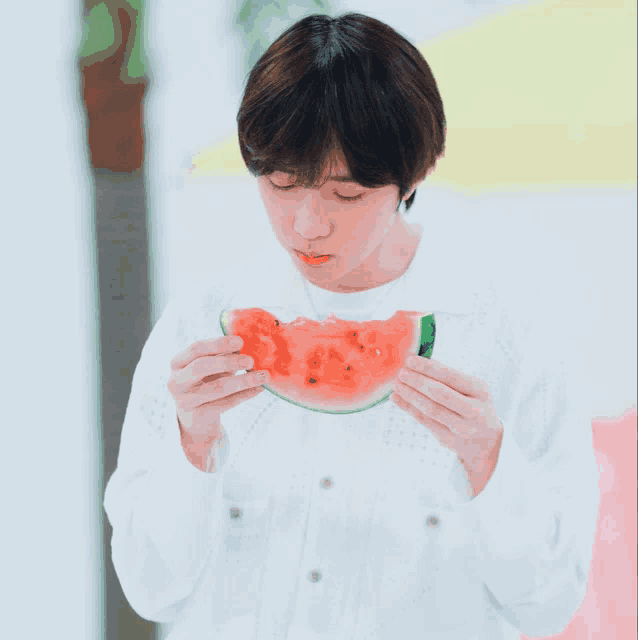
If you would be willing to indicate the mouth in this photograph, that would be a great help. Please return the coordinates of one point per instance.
(312, 259)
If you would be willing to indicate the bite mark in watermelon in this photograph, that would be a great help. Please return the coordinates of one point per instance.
(334, 366)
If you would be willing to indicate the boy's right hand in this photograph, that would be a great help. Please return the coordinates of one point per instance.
(203, 385)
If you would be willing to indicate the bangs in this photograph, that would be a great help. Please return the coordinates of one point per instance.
(306, 143)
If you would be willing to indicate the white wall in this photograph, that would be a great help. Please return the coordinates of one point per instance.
(50, 538)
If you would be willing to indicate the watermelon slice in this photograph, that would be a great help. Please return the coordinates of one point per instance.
(334, 366)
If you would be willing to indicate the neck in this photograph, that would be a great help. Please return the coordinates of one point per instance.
(391, 260)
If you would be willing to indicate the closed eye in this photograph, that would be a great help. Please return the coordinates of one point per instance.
(340, 197)
(345, 199)
(291, 186)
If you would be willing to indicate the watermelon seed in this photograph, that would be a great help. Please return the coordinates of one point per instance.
(348, 368)
(312, 381)
(276, 323)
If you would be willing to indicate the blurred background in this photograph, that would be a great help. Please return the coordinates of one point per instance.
(123, 184)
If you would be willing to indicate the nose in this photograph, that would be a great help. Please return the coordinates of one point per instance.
(310, 220)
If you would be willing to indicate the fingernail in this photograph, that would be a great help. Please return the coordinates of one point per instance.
(262, 375)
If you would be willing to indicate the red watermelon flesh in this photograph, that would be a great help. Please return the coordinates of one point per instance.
(334, 366)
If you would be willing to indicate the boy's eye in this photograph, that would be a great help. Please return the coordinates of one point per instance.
(276, 186)
(348, 199)
(285, 179)
(338, 195)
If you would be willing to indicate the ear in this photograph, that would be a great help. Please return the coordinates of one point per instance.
(413, 189)
(408, 195)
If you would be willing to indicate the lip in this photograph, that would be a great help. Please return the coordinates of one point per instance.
(319, 259)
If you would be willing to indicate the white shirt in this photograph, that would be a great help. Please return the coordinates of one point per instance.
(360, 526)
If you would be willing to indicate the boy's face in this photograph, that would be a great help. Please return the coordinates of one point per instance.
(319, 221)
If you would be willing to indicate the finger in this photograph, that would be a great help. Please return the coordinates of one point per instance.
(441, 433)
(202, 348)
(227, 386)
(431, 409)
(462, 405)
(470, 386)
(234, 398)
(195, 374)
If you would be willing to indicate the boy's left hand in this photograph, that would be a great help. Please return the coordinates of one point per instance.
(458, 410)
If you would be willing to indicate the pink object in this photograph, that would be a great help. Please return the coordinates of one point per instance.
(609, 609)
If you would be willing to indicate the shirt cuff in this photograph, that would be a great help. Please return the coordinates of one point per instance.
(514, 511)
(181, 487)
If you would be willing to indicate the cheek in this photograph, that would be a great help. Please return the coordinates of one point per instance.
(280, 215)
(274, 208)
(278, 221)
(378, 216)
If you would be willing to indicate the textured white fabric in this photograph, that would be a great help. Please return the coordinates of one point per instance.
(402, 549)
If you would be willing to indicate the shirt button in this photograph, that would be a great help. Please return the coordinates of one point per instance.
(326, 483)
(433, 521)
(314, 576)
(235, 513)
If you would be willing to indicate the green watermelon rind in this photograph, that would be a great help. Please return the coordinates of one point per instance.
(426, 347)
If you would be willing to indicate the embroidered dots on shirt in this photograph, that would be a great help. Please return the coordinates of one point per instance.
(402, 431)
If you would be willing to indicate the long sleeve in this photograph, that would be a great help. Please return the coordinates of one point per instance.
(156, 500)
(536, 517)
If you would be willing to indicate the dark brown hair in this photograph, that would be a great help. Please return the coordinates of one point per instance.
(350, 83)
